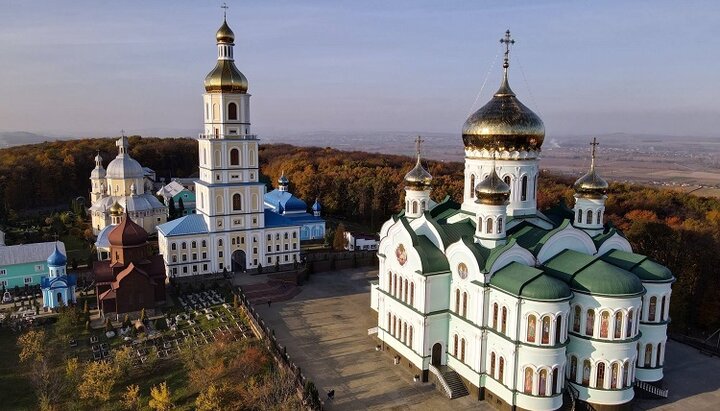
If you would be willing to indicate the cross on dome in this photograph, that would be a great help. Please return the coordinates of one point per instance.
(594, 144)
(507, 41)
(224, 7)
(418, 143)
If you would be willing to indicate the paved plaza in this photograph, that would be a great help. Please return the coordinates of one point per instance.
(325, 330)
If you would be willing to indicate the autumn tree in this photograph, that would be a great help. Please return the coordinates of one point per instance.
(211, 398)
(160, 397)
(98, 381)
(130, 399)
(339, 242)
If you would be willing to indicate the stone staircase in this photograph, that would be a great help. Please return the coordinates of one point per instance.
(449, 381)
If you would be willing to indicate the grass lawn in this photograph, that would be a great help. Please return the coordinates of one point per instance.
(76, 248)
(17, 392)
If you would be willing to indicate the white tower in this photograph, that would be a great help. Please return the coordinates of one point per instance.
(283, 182)
(417, 187)
(97, 180)
(492, 195)
(229, 194)
(504, 126)
(590, 196)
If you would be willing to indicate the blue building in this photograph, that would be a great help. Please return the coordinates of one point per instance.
(58, 288)
(281, 201)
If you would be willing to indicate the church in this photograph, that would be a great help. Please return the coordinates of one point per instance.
(231, 229)
(123, 182)
(283, 202)
(511, 304)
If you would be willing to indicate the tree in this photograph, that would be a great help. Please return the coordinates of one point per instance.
(142, 315)
(339, 240)
(98, 381)
(181, 208)
(172, 212)
(210, 399)
(131, 398)
(160, 397)
(122, 359)
(32, 346)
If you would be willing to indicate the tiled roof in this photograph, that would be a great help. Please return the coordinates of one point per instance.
(187, 225)
(28, 253)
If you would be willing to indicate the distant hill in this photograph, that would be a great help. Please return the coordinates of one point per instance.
(18, 138)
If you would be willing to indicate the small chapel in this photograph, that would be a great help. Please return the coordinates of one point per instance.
(58, 288)
(517, 306)
(133, 278)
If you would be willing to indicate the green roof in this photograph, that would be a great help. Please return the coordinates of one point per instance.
(433, 259)
(456, 231)
(529, 236)
(529, 282)
(645, 268)
(588, 274)
(446, 206)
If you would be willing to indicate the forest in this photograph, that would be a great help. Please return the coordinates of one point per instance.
(682, 231)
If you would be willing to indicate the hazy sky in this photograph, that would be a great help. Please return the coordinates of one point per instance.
(95, 67)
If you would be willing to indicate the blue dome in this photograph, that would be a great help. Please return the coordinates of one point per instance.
(57, 259)
(316, 206)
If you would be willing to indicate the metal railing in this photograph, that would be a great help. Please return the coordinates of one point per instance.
(440, 378)
(204, 136)
(660, 392)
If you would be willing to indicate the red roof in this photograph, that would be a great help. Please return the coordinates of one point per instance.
(127, 234)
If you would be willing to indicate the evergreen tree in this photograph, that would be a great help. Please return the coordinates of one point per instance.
(181, 208)
(172, 212)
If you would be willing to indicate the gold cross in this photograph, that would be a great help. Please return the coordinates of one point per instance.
(418, 141)
(507, 41)
(224, 7)
(594, 144)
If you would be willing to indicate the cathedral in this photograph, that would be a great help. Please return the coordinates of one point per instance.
(123, 182)
(231, 230)
(513, 305)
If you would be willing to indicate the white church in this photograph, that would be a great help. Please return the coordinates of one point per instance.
(231, 230)
(518, 307)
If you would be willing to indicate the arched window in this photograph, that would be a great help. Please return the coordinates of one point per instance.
(652, 308)
(410, 333)
(662, 309)
(618, 324)
(495, 315)
(464, 305)
(457, 301)
(215, 112)
(183, 245)
(233, 241)
(573, 368)
(628, 326)
(542, 389)
(193, 244)
(576, 319)
(479, 225)
(220, 242)
(395, 285)
(472, 185)
(531, 324)
(219, 204)
(501, 371)
(658, 363)
(207, 111)
(389, 322)
(523, 188)
(554, 388)
(394, 330)
(588, 218)
(400, 293)
(389, 282)
(412, 293)
(500, 225)
(234, 157)
(648, 355)
(528, 386)
(489, 226)
(599, 217)
(626, 374)
(614, 371)
(406, 290)
(173, 246)
(579, 216)
(604, 324)
(455, 345)
(503, 324)
(462, 350)
(507, 180)
(422, 206)
(600, 381)
(414, 207)
(204, 156)
(546, 330)
(405, 332)
(237, 202)
(204, 243)
(558, 329)
(492, 365)
(232, 111)
(586, 373)
(590, 322)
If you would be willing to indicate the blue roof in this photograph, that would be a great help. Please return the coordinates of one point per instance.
(273, 219)
(288, 201)
(102, 238)
(57, 259)
(187, 225)
(303, 218)
(47, 282)
(316, 206)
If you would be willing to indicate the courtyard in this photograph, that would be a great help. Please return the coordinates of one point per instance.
(325, 330)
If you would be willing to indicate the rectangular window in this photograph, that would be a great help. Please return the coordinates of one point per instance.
(184, 270)
(287, 247)
(3, 271)
(38, 268)
(194, 256)
(254, 250)
(254, 261)
(220, 254)
(269, 260)
(28, 280)
(204, 255)
(174, 270)
(286, 257)
(294, 246)
(3, 283)
(254, 220)
(194, 268)
(277, 247)
(184, 257)
(220, 265)
(269, 249)
(204, 267)
(269, 237)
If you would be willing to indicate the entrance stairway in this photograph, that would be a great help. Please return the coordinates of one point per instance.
(450, 382)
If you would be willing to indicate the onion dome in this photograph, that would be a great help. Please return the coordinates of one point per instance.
(316, 206)
(123, 166)
(98, 158)
(504, 123)
(57, 258)
(492, 190)
(283, 181)
(591, 185)
(225, 34)
(116, 209)
(127, 234)
(418, 178)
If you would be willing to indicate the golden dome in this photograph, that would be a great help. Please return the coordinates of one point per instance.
(225, 77)
(504, 124)
(225, 34)
(591, 185)
(492, 190)
(418, 178)
(116, 209)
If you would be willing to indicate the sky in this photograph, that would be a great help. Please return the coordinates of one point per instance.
(92, 68)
